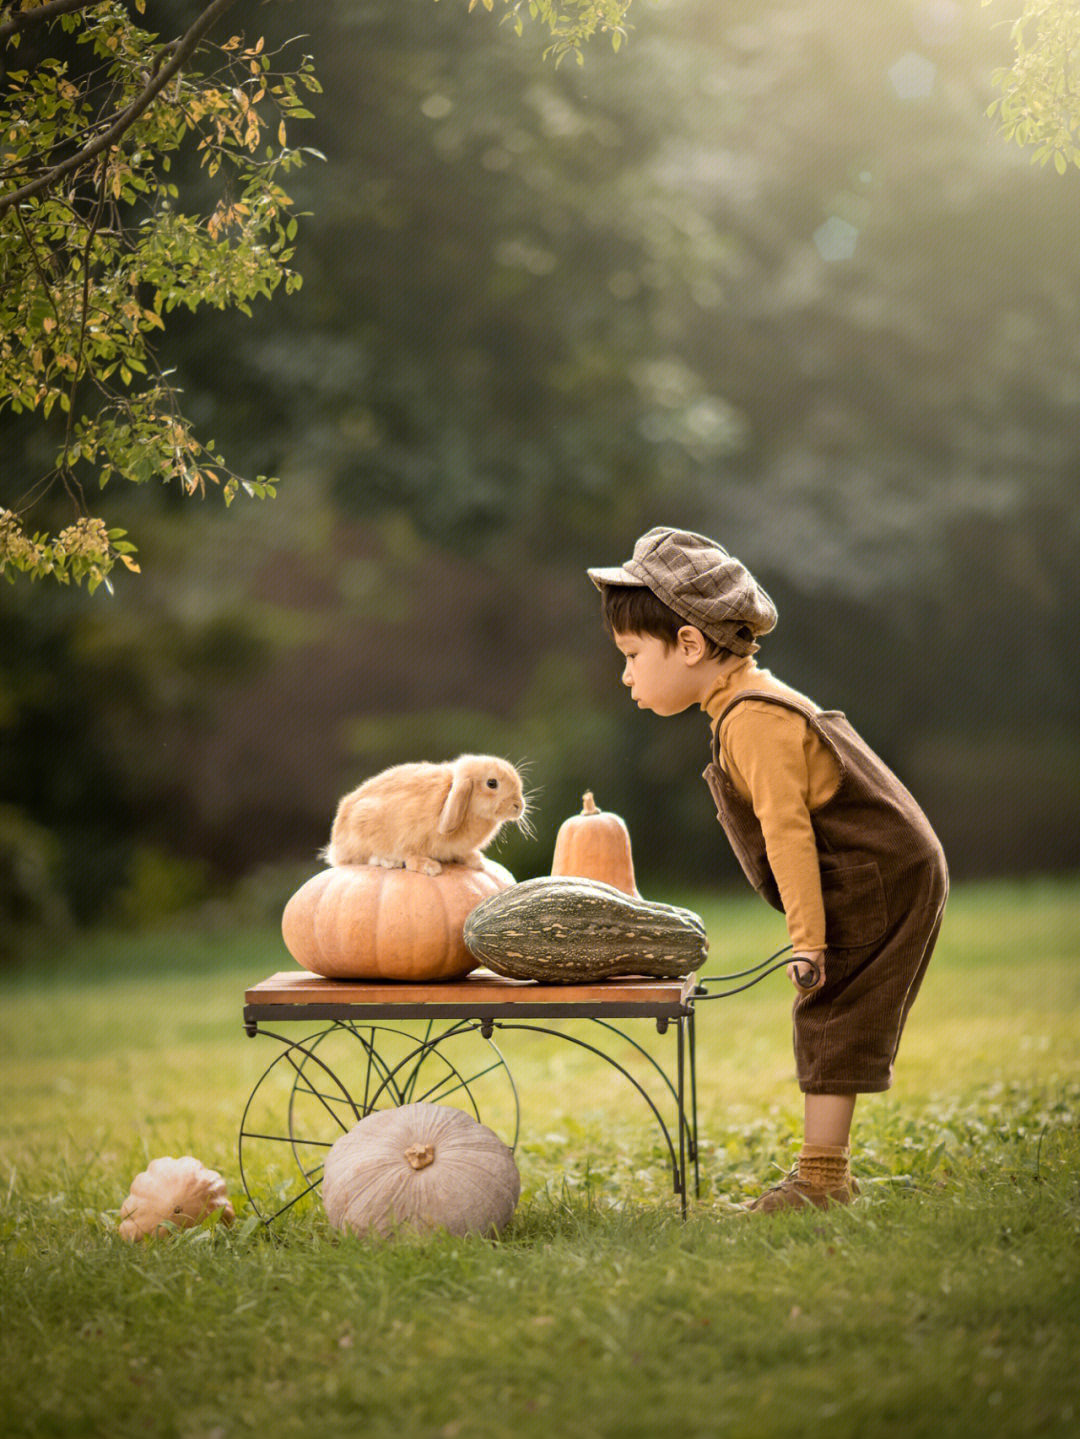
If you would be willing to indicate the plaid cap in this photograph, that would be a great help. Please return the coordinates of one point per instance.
(701, 582)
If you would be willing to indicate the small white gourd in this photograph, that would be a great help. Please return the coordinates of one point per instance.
(420, 1167)
(173, 1191)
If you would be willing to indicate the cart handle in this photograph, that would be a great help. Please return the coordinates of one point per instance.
(759, 971)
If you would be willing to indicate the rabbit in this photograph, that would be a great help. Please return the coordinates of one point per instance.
(421, 816)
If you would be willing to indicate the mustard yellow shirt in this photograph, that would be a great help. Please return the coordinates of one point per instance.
(777, 762)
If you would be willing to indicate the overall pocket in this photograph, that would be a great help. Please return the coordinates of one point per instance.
(856, 911)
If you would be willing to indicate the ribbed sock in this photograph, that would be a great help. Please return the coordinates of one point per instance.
(825, 1166)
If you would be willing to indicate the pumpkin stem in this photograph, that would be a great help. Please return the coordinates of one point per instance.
(588, 804)
(420, 1155)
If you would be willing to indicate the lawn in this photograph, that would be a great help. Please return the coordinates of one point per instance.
(946, 1302)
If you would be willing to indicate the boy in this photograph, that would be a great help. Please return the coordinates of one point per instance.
(823, 830)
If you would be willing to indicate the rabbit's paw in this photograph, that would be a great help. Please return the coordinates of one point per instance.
(422, 864)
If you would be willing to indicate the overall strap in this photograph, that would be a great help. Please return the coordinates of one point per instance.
(804, 707)
(812, 715)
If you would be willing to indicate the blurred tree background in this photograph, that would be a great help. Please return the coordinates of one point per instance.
(769, 271)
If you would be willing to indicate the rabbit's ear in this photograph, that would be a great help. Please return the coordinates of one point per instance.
(457, 802)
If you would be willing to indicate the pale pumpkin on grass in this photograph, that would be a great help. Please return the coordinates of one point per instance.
(173, 1193)
(420, 1168)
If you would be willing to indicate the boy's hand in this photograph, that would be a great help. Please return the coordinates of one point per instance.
(807, 971)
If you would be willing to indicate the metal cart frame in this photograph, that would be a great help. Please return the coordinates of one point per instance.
(482, 1003)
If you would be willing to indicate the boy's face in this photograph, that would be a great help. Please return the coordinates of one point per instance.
(666, 680)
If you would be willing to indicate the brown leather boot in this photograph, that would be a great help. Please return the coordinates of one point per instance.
(821, 1176)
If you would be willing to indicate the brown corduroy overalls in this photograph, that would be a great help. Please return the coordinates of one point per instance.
(884, 884)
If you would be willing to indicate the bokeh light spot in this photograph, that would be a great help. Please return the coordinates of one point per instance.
(437, 107)
(835, 240)
(939, 22)
(913, 76)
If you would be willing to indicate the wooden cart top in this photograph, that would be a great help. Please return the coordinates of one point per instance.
(292, 994)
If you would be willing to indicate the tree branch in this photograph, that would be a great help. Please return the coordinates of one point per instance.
(91, 231)
(46, 283)
(181, 49)
(24, 18)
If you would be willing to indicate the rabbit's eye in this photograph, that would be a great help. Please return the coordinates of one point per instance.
(493, 784)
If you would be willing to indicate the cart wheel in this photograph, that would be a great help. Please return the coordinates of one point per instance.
(318, 1087)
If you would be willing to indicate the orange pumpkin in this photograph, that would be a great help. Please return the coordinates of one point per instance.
(595, 844)
(358, 921)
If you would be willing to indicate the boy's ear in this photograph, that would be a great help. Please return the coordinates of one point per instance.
(691, 644)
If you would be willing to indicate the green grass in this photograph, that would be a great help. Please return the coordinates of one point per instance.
(947, 1302)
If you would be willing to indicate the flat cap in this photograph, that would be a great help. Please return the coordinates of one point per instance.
(701, 582)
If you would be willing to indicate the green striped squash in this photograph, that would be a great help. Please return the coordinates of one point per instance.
(565, 930)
